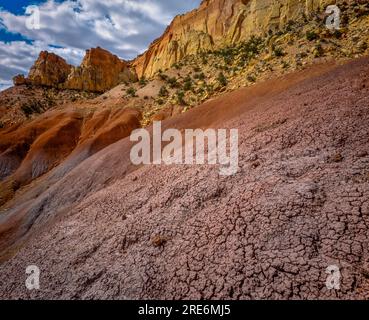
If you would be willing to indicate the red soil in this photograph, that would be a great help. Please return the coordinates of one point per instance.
(299, 203)
(27, 152)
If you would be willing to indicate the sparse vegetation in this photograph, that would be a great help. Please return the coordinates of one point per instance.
(180, 97)
(251, 78)
(199, 76)
(173, 83)
(142, 82)
(222, 79)
(278, 52)
(187, 86)
(163, 92)
(311, 35)
(31, 107)
(163, 76)
(318, 51)
(131, 92)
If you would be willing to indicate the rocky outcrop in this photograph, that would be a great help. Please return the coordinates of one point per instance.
(100, 71)
(20, 80)
(217, 23)
(49, 70)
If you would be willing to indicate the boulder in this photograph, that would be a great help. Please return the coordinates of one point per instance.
(20, 80)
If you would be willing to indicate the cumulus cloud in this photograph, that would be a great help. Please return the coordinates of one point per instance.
(68, 28)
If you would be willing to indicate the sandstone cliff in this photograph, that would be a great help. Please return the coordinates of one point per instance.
(100, 70)
(49, 70)
(217, 23)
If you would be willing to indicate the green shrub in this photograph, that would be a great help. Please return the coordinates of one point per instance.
(173, 83)
(318, 51)
(163, 92)
(180, 97)
(311, 35)
(222, 79)
(251, 78)
(31, 107)
(142, 82)
(278, 52)
(177, 66)
(199, 76)
(337, 34)
(285, 65)
(163, 76)
(131, 91)
(187, 86)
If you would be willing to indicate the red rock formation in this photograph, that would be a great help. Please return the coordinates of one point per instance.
(49, 70)
(20, 80)
(100, 71)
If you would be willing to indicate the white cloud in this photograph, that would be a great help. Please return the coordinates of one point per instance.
(125, 27)
(5, 84)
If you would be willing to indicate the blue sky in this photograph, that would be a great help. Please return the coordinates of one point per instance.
(69, 27)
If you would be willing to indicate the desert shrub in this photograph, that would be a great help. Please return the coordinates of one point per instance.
(241, 63)
(311, 35)
(252, 47)
(227, 53)
(163, 76)
(337, 34)
(31, 107)
(199, 76)
(142, 82)
(289, 25)
(173, 83)
(180, 97)
(251, 78)
(278, 52)
(209, 88)
(160, 101)
(363, 46)
(177, 66)
(285, 65)
(163, 92)
(187, 85)
(2, 125)
(222, 79)
(131, 91)
(318, 51)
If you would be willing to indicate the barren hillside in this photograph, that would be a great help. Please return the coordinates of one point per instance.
(298, 204)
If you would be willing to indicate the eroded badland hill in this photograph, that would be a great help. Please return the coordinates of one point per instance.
(99, 227)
